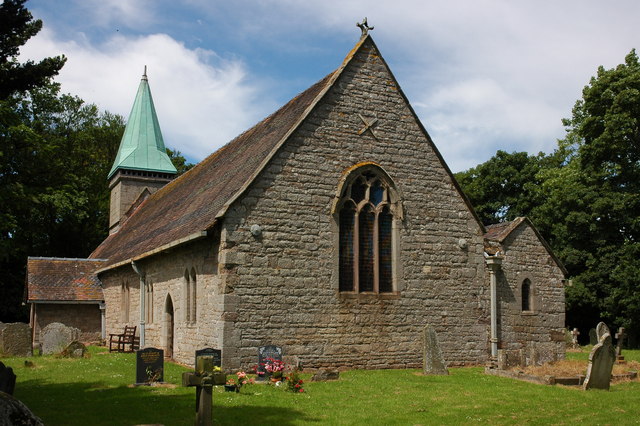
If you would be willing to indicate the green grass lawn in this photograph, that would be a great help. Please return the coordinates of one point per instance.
(96, 391)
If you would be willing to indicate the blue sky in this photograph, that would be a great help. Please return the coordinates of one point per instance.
(482, 75)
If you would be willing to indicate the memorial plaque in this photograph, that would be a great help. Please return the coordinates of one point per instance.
(149, 365)
(206, 359)
(266, 352)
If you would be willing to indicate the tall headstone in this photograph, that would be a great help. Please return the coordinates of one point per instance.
(149, 366)
(593, 337)
(433, 361)
(601, 360)
(56, 337)
(15, 339)
(620, 336)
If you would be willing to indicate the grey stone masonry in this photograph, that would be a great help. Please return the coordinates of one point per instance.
(15, 339)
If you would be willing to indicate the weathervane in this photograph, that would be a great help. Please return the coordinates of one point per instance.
(364, 27)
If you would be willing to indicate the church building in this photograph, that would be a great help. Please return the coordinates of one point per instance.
(333, 228)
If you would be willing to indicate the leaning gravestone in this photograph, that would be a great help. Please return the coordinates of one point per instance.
(56, 337)
(433, 362)
(149, 366)
(13, 412)
(74, 350)
(15, 339)
(266, 352)
(601, 360)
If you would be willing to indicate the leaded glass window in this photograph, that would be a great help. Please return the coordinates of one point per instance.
(366, 238)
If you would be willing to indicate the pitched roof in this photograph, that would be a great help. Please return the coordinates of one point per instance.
(189, 206)
(496, 235)
(142, 146)
(63, 279)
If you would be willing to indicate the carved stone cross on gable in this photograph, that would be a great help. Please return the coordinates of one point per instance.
(368, 125)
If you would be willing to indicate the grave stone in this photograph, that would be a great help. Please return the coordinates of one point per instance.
(325, 374)
(593, 337)
(74, 350)
(574, 338)
(264, 353)
(620, 336)
(601, 361)
(433, 361)
(7, 379)
(14, 412)
(15, 339)
(56, 337)
(208, 356)
(149, 366)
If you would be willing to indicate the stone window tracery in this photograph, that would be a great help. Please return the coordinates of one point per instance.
(365, 213)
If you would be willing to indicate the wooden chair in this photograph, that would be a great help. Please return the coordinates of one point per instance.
(120, 341)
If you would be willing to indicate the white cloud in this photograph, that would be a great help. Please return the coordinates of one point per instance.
(202, 101)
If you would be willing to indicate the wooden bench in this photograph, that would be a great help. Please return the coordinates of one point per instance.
(120, 341)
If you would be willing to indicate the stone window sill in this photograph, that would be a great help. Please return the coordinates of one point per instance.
(368, 296)
(529, 313)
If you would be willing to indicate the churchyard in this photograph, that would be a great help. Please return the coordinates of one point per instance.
(99, 390)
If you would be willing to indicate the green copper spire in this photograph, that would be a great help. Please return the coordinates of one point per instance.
(142, 146)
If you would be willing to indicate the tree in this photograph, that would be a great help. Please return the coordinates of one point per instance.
(17, 28)
(505, 187)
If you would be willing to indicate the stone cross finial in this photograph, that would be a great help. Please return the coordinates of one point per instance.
(620, 336)
(364, 27)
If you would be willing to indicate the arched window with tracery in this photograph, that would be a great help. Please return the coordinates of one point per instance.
(366, 211)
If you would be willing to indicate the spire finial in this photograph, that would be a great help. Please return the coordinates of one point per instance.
(364, 27)
(144, 75)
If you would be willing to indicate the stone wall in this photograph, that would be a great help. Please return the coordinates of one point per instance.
(85, 317)
(283, 287)
(165, 272)
(537, 335)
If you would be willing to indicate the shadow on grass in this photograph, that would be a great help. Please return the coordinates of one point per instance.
(95, 403)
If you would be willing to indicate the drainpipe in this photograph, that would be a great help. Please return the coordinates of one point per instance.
(494, 262)
(103, 320)
(142, 294)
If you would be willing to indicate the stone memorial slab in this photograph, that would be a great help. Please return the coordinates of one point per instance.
(266, 352)
(593, 337)
(74, 350)
(14, 412)
(7, 379)
(601, 360)
(149, 366)
(56, 337)
(433, 361)
(208, 358)
(15, 339)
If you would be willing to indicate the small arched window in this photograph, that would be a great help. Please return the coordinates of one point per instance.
(527, 296)
(365, 213)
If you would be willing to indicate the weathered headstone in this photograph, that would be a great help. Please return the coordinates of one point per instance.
(14, 412)
(149, 366)
(620, 336)
(593, 337)
(74, 350)
(56, 337)
(574, 338)
(433, 361)
(601, 360)
(15, 339)
(7, 379)
(325, 374)
(266, 352)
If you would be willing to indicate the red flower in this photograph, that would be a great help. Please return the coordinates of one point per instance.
(301, 390)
